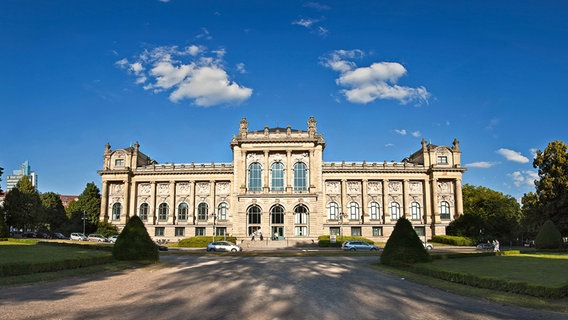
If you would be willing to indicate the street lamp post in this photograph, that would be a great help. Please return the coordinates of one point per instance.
(84, 220)
(341, 216)
(214, 221)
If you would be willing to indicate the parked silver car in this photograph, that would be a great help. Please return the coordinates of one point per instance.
(427, 246)
(112, 239)
(223, 246)
(78, 236)
(359, 246)
(97, 237)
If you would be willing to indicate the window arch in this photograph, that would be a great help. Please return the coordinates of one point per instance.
(354, 212)
(255, 177)
(183, 209)
(300, 177)
(301, 214)
(415, 211)
(222, 211)
(277, 183)
(374, 210)
(394, 210)
(254, 214)
(333, 211)
(444, 210)
(202, 211)
(163, 212)
(143, 212)
(277, 214)
(116, 211)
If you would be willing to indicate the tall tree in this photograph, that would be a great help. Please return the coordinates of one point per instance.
(54, 211)
(552, 187)
(23, 206)
(1, 172)
(89, 205)
(487, 214)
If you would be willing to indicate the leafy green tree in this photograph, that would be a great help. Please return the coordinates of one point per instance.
(404, 246)
(488, 214)
(54, 212)
(1, 172)
(548, 237)
(87, 205)
(106, 229)
(552, 186)
(23, 206)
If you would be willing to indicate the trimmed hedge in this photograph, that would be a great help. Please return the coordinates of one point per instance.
(324, 241)
(134, 243)
(404, 246)
(454, 240)
(490, 283)
(17, 269)
(548, 237)
(202, 241)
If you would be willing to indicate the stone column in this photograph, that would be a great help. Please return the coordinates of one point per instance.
(172, 203)
(154, 210)
(365, 200)
(104, 202)
(459, 199)
(288, 172)
(265, 171)
(435, 210)
(406, 199)
(427, 202)
(126, 195)
(386, 212)
(133, 190)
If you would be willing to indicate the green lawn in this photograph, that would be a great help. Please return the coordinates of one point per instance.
(12, 252)
(547, 270)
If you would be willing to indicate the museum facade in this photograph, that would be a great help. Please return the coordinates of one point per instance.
(279, 186)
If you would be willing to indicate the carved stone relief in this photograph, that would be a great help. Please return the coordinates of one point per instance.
(444, 187)
(374, 187)
(222, 188)
(395, 187)
(163, 189)
(415, 187)
(448, 198)
(144, 189)
(183, 188)
(277, 157)
(117, 189)
(202, 188)
(353, 187)
(332, 187)
(254, 157)
(300, 158)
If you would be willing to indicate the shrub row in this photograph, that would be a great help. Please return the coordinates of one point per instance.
(489, 283)
(17, 269)
(454, 240)
(202, 241)
(324, 241)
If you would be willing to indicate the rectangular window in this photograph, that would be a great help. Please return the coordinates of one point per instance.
(334, 231)
(301, 231)
(377, 231)
(159, 231)
(221, 231)
(356, 231)
(180, 232)
(442, 160)
(199, 231)
(119, 162)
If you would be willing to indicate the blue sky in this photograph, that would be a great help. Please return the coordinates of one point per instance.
(378, 76)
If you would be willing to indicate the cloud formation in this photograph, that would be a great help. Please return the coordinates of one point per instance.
(524, 177)
(481, 164)
(375, 82)
(191, 73)
(512, 155)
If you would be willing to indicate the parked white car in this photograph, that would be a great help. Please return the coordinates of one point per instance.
(78, 236)
(112, 239)
(97, 237)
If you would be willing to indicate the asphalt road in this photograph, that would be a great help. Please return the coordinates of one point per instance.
(233, 287)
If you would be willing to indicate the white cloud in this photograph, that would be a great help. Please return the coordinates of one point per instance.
(524, 177)
(376, 82)
(416, 134)
(191, 73)
(402, 132)
(313, 25)
(307, 23)
(481, 164)
(389, 145)
(512, 155)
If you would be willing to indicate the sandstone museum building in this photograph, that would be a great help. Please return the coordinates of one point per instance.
(278, 185)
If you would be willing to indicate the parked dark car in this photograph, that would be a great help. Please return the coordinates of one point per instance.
(57, 235)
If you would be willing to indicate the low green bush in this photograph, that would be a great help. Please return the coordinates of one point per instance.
(324, 241)
(454, 240)
(203, 241)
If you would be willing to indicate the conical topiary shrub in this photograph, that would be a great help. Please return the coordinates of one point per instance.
(548, 237)
(404, 246)
(134, 243)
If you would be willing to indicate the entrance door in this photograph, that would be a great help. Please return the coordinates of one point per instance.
(277, 233)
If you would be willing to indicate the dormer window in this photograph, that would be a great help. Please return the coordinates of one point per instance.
(119, 162)
(442, 159)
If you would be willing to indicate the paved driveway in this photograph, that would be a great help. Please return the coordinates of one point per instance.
(229, 287)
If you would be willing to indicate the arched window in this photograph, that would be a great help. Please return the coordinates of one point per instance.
(374, 210)
(143, 212)
(255, 177)
(277, 183)
(277, 215)
(300, 177)
(254, 215)
(116, 210)
(163, 211)
(394, 210)
(183, 211)
(222, 211)
(333, 211)
(444, 210)
(202, 211)
(354, 211)
(301, 220)
(415, 211)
